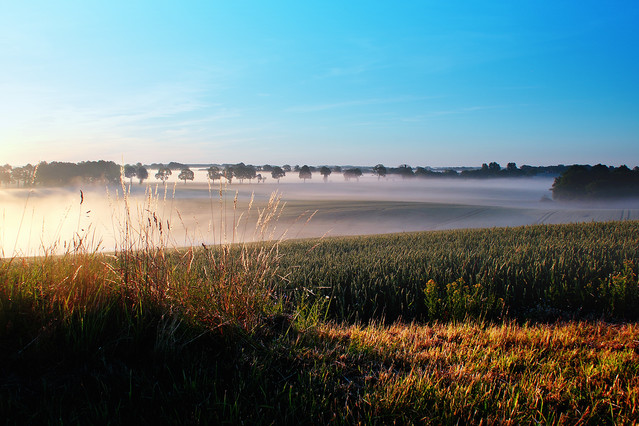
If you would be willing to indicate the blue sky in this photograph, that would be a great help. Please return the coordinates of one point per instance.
(426, 83)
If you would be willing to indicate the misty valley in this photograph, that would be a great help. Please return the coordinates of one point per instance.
(37, 219)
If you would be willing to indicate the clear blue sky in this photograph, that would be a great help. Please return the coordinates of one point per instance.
(427, 83)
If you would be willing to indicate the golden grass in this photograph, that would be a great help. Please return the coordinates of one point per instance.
(564, 373)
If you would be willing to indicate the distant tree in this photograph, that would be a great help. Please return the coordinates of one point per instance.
(379, 171)
(352, 173)
(450, 173)
(130, 171)
(405, 171)
(177, 166)
(511, 170)
(5, 174)
(267, 168)
(494, 167)
(278, 173)
(228, 174)
(24, 174)
(337, 169)
(163, 173)
(186, 174)
(213, 173)
(142, 173)
(260, 178)
(242, 171)
(326, 172)
(571, 184)
(286, 168)
(425, 173)
(56, 173)
(305, 172)
(297, 168)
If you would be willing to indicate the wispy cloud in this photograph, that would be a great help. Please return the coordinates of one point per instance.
(356, 103)
(464, 110)
(454, 111)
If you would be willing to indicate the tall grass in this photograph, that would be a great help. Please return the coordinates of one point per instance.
(135, 315)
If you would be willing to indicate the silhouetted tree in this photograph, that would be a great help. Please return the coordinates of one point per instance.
(5, 174)
(423, 172)
(242, 171)
(177, 166)
(405, 171)
(142, 173)
(305, 172)
(163, 173)
(229, 172)
(130, 171)
(597, 182)
(213, 173)
(379, 171)
(56, 174)
(186, 174)
(286, 168)
(23, 174)
(278, 173)
(352, 173)
(326, 172)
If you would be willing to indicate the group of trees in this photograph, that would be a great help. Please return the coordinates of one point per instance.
(306, 172)
(574, 182)
(583, 182)
(61, 173)
(21, 176)
(487, 170)
(138, 171)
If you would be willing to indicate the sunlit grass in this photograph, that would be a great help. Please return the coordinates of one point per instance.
(468, 371)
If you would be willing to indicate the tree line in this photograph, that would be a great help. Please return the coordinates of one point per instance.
(571, 182)
(60, 173)
(584, 182)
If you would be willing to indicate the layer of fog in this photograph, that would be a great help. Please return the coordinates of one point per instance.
(50, 220)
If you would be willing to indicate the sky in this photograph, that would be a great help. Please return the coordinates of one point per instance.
(426, 83)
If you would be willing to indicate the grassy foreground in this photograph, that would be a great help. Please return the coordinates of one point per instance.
(252, 334)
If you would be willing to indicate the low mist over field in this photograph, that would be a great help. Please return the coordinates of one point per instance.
(192, 213)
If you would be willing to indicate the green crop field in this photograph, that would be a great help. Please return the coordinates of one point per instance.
(533, 272)
(523, 325)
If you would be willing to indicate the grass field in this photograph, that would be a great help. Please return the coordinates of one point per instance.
(532, 324)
